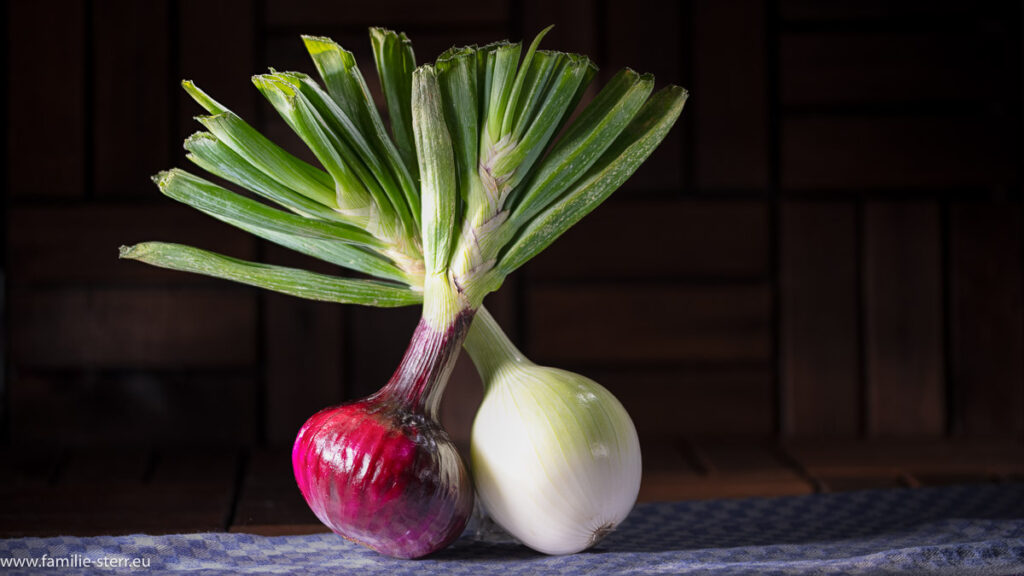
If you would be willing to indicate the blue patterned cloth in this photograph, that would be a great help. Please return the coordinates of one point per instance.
(954, 530)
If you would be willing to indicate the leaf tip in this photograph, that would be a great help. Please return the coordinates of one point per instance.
(134, 252)
(318, 44)
(197, 138)
(161, 178)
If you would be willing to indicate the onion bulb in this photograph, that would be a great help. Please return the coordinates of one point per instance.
(555, 457)
(381, 471)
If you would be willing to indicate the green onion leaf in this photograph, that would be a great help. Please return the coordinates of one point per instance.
(456, 76)
(202, 98)
(542, 66)
(587, 138)
(500, 78)
(358, 151)
(216, 158)
(349, 256)
(292, 281)
(517, 162)
(437, 170)
(222, 204)
(283, 94)
(270, 158)
(517, 87)
(349, 93)
(618, 163)
(395, 62)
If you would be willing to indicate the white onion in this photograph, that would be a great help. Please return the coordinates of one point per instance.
(555, 457)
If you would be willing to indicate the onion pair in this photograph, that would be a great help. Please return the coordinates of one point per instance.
(467, 186)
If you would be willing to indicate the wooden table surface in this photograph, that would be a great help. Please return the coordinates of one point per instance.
(169, 490)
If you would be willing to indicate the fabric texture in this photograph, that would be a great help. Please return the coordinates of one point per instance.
(952, 530)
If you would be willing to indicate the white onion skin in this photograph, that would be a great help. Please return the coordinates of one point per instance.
(555, 457)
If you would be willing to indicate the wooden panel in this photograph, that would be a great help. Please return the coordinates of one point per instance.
(29, 465)
(724, 470)
(118, 467)
(658, 50)
(671, 239)
(191, 466)
(45, 99)
(393, 13)
(874, 68)
(729, 87)
(667, 471)
(850, 153)
(115, 491)
(574, 22)
(903, 298)
(124, 407)
(987, 319)
(819, 348)
(699, 401)
(379, 339)
(78, 244)
(224, 29)
(460, 402)
(132, 112)
(270, 502)
(895, 458)
(504, 306)
(96, 509)
(304, 355)
(133, 328)
(798, 10)
(861, 482)
(750, 469)
(606, 324)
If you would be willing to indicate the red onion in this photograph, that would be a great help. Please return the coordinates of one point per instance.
(381, 471)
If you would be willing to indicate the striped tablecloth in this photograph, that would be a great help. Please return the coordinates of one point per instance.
(950, 530)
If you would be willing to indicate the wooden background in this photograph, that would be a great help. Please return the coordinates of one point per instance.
(829, 244)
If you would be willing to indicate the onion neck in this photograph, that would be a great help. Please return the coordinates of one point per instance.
(420, 379)
(491, 350)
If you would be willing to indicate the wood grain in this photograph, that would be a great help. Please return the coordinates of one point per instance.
(729, 109)
(119, 327)
(393, 13)
(76, 245)
(822, 153)
(216, 52)
(269, 501)
(819, 315)
(798, 10)
(987, 319)
(681, 239)
(706, 401)
(43, 104)
(381, 337)
(904, 320)
(635, 323)
(304, 345)
(133, 135)
(864, 68)
(82, 407)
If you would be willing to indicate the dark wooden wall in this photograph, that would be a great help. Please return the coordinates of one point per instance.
(829, 244)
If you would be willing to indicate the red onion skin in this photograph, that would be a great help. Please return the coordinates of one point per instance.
(381, 471)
